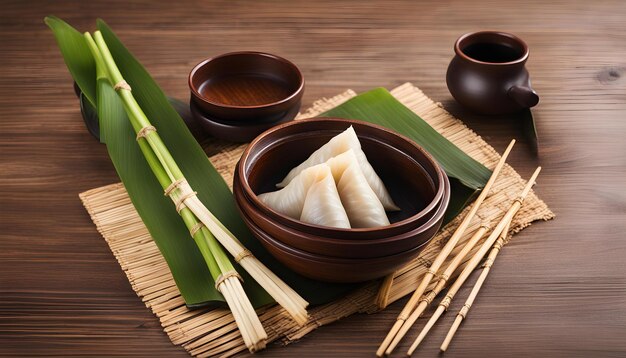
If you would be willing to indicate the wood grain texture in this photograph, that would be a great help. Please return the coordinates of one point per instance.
(558, 290)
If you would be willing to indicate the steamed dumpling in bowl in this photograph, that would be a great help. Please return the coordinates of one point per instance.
(322, 205)
(335, 193)
(340, 144)
(290, 199)
(363, 207)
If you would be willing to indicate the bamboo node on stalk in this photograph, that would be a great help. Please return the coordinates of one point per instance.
(485, 225)
(464, 310)
(429, 297)
(122, 85)
(445, 303)
(242, 255)
(176, 184)
(195, 228)
(224, 276)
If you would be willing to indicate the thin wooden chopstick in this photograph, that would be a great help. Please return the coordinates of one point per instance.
(445, 303)
(432, 270)
(479, 283)
(441, 283)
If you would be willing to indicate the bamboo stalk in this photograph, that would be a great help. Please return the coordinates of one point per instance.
(477, 286)
(184, 197)
(247, 321)
(441, 283)
(414, 300)
(445, 303)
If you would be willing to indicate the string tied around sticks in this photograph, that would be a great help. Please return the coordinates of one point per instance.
(429, 297)
(500, 243)
(194, 230)
(242, 255)
(224, 276)
(176, 184)
(122, 85)
(143, 132)
(180, 204)
(520, 199)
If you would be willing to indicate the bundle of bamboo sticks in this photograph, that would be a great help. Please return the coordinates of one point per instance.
(208, 232)
(419, 301)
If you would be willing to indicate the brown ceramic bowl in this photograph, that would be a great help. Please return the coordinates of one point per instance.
(333, 269)
(246, 86)
(412, 176)
(236, 131)
(354, 248)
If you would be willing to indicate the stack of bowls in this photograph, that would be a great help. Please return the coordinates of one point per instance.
(238, 95)
(415, 181)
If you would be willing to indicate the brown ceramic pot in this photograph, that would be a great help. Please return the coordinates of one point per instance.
(488, 74)
(412, 176)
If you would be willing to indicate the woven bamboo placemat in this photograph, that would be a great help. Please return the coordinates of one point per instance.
(212, 332)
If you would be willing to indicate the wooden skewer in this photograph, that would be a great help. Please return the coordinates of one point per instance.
(414, 300)
(445, 303)
(382, 299)
(443, 279)
(479, 283)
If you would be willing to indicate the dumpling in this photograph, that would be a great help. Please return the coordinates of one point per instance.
(359, 200)
(322, 205)
(340, 144)
(290, 199)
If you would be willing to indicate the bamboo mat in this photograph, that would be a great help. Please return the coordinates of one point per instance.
(212, 332)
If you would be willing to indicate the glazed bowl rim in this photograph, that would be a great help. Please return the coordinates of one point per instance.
(196, 94)
(459, 46)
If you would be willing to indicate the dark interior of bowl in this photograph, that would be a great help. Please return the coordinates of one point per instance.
(408, 183)
(246, 80)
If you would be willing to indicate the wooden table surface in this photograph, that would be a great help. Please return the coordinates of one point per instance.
(558, 290)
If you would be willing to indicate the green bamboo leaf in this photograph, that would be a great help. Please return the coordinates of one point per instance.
(378, 106)
(211, 188)
(76, 55)
(530, 130)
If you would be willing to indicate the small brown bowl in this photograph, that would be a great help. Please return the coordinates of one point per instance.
(412, 176)
(354, 248)
(235, 131)
(246, 86)
(333, 269)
